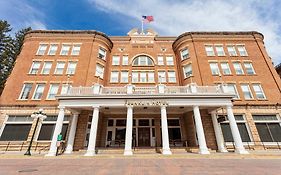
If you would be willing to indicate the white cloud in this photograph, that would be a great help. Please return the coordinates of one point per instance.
(178, 16)
(20, 14)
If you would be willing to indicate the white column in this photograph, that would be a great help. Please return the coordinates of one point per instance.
(218, 133)
(72, 132)
(239, 148)
(91, 151)
(129, 131)
(200, 131)
(165, 134)
(57, 131)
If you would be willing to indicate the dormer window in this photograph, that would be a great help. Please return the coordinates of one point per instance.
(142, 60)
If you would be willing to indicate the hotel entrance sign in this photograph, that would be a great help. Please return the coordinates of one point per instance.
(146, 103)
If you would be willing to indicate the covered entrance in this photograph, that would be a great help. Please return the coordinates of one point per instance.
(144, 137)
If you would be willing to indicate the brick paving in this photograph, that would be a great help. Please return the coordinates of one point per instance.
(138, 165)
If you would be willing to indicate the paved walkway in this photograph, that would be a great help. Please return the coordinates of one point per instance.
(142, 164)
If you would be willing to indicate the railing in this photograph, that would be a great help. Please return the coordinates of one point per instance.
(21, 146)
(148, 90)
(254, 144)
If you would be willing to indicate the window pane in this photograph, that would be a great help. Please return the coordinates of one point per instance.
(258, 91)
(102, 53)
(99, 71)
(114, 77)
(220, 50)
(172, 76)
(71, 68)
(227, 135)
(124, 76)
(26, 91)
(265, 117)
(232, 89)
(35, 67)
(121, 122)
(162, 76)
(173, 122)
(242, 50)
(225, 69)
(42, 48)
(120, 134)
(231, 51)
(75, 50)
(143, 60)
(125, 60)
(135, 77)
(150, 77)
(243, 132)
(238, 68)
(53, 49)
(187, 70)
(53, 91)
(39, 91)
(246, 91)
(210, 50)
(65, 49)
(249, 68)
(174, 133)
(275, 130)
(143, 122)
(170, 60)
(263, 132)
(115, 60)
(214, 68)
(47, 130)
(47, 67)
(15, 132)
(59, 68)
(184, 54)
(160, 60)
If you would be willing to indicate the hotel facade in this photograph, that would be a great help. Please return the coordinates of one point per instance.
(197, 92)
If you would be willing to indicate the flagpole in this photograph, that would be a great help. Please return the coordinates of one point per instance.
(142, 26)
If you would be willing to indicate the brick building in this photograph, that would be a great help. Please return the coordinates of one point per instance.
(200, 91)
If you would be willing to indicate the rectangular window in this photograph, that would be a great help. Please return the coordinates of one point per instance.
(242, 50)
(42, 49)
(209, 50)
(76, 49)
(71, 68)
(161, 76)
(249, 68)
(187, 70)
(26, 89)
(38, 91)
(135, 77)
(64, 88)
(238, 68)
(225, 69)
(53, 91)
(231, 51)
(102, 53)
(220, 50)
(47, 131)
(214, 68)
(172, 76)
(46, 68)
(246, 91)
(160, 60)
(114, 77)
(184, 54)
(59, 68)
(150, 77)
(65, 49)
(125, 60)
(53, 49)
(15, 132)
(35, 67)
(124, 77)
(99, 71)
(143, 77)
(170, 60)
(232, 89)
(115, 60)
(258, 91)
(227, 134)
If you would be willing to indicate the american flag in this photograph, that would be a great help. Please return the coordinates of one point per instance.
(147, 19)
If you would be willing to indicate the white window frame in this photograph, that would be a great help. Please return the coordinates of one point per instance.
(44, 69)
(114, 77)
(76, 49)
(210, 50)
(102, 53)
(35, 67)
(125, 60)
(53, 49)
(235, 90)
(220, 52)
(184, 54)
(162, 78)
(99, 71)
(40, 49)
(115, 60)
(238, 67)
(172, 78)
(64, 88)
(241, 48)
(71, 70)
(22, 91)
(225, 70)
(59, 68)
(150, 77)
(65, 51)
(36, 91)
(251, 68)
(169, 60)
(53, 87)
(135, 77)
(160, 60)
(187, 70)
(214, 68)
(124, 77)
(261, 92)
(231, 50)
(143, 77)
(248, 91)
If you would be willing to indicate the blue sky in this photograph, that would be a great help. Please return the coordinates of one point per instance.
(172, 17)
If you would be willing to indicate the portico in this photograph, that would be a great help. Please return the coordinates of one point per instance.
(133, 102)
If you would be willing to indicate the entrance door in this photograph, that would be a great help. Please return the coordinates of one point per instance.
(143, 136)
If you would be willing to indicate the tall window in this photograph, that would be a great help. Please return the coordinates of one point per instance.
(53, 91)
(225, 68)
(143, 77)
(102, 53)
(242, 50)
(170, 60)
(232, 89)
(231, 51)
(209, 50)
(184, 54)
(238, 68)
(38, 91)
(125, 60)
(258, 91)
(76, 49)
(59, 68)
(99, 71)
(64, 88)
(246, 91)
(220, 50)
(53, 49)
(71, 68)
(161, 76)
(214, 68)
(26, 89)
(172, 76)
(114, 77)
(187, 70)
(150, 76)
(46, 67)
(124, 76)
(35, 67)
(268, 127)
(160, 60)
(142, 60)
(115, 60)
(65, 49)
(242, 127)
(249, 68)
(135, 77)
(42, 49)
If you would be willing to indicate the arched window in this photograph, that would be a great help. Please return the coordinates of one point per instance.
(142, 60)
